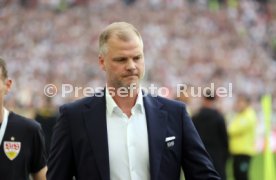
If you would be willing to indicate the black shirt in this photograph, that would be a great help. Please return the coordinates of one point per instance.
(22, 150)
(47, 124)
(211, 127)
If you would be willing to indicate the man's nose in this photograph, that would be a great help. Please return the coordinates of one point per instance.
(130, 65)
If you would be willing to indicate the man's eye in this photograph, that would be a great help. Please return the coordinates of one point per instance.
(120, 59)
(137, 58)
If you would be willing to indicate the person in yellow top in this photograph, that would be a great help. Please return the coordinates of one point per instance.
(242, 137)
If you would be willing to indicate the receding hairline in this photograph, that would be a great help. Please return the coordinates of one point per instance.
(120, 30)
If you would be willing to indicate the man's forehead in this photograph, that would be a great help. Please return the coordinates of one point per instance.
(126, 37)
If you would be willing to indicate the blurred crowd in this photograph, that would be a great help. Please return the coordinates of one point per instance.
(188, 42)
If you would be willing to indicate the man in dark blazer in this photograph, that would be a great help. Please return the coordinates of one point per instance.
(126, 135)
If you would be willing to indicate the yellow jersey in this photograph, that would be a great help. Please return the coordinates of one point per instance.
(242, 132)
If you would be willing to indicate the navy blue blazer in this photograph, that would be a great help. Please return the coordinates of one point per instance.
(79, 145)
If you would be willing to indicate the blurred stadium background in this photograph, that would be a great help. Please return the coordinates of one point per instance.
(195, 42)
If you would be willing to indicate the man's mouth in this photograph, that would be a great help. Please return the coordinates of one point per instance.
(131, 75)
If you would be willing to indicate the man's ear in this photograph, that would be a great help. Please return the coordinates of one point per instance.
(8, 85)
(101, 62)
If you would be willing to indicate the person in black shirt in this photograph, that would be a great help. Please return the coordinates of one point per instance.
(46, 116)
(22, 149)
(211, 127)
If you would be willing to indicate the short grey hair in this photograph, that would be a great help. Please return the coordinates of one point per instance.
(121, 30)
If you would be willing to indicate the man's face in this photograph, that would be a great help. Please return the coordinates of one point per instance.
(5, 85)
(241, 104)
(123, 62)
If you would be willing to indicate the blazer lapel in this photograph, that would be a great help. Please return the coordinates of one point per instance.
(95, 121)
(157, 123)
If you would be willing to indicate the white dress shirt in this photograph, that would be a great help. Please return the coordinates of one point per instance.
(127, 141)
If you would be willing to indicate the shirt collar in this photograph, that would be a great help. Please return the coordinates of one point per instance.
(111, 104)
(139, 102)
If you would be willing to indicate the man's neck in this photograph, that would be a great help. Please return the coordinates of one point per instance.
(125, 101)
(208, 104)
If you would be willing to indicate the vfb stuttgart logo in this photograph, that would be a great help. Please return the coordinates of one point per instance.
(12, 149)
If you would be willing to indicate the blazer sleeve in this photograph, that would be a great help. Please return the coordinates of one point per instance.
(196, 162)
(60, 162)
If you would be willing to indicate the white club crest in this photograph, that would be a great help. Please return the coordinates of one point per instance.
(12, 149)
